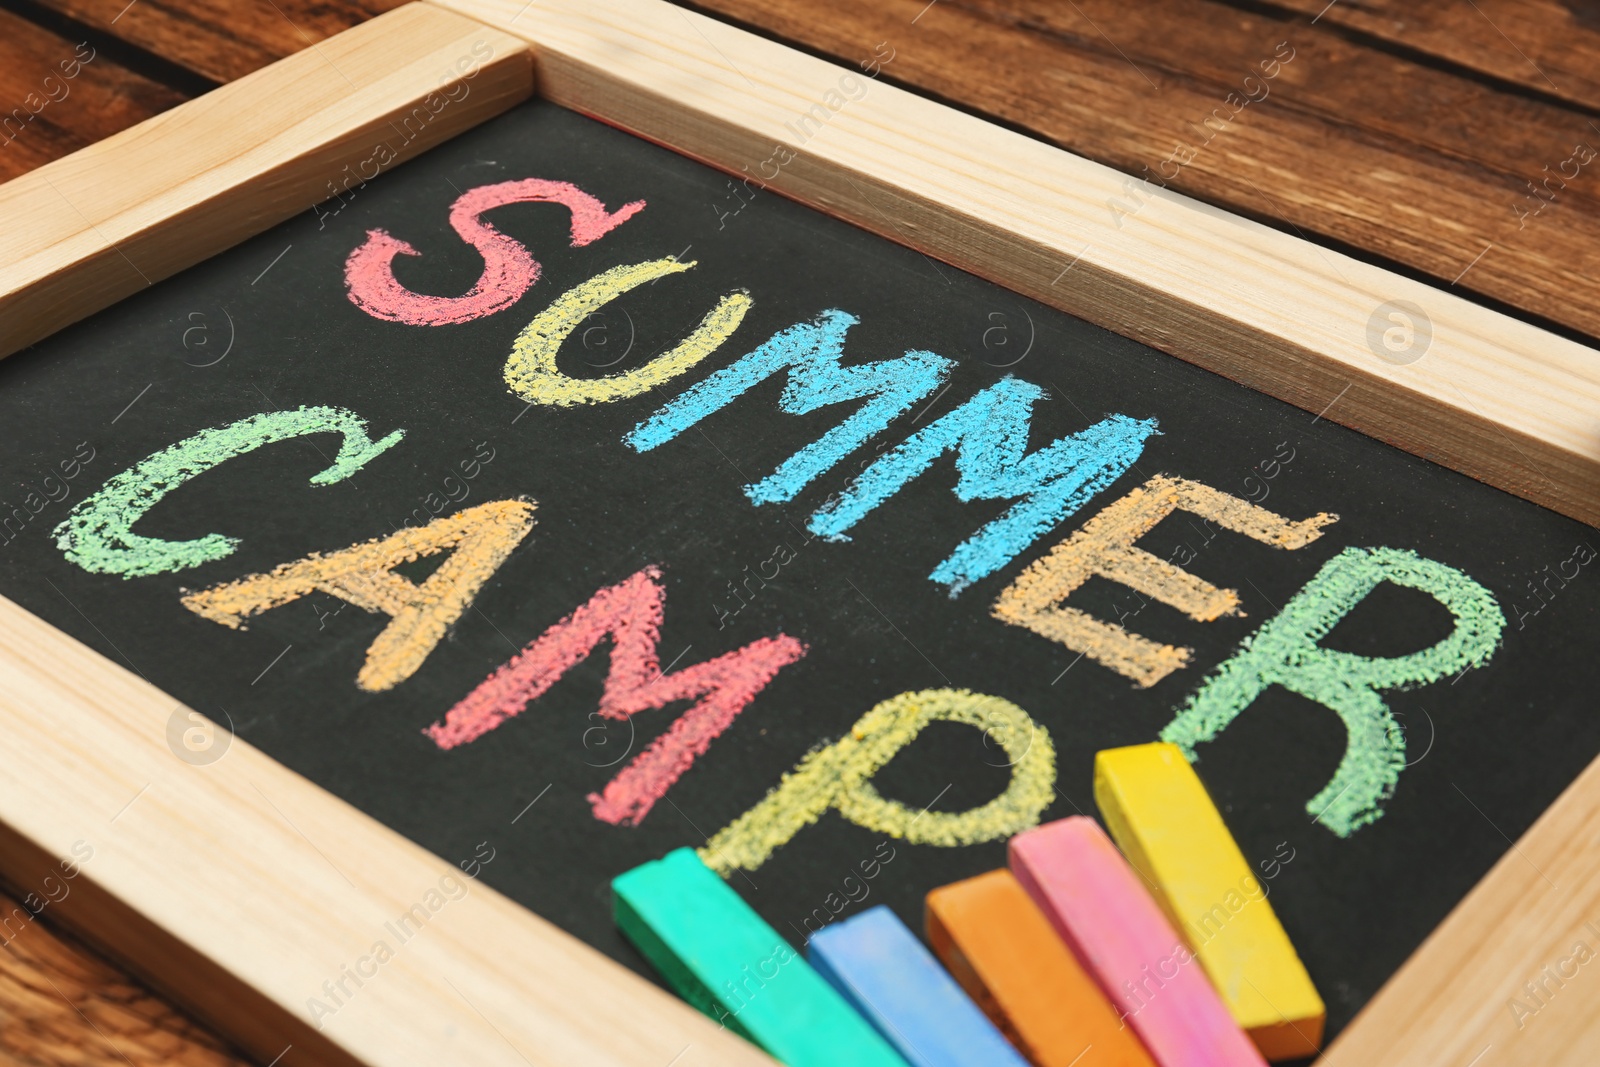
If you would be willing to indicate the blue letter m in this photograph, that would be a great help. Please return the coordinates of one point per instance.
(989, 434)
(810, 352)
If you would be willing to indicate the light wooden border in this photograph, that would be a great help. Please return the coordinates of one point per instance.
(99, 225)
(227, 885)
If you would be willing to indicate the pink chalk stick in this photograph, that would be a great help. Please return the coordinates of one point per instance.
(1097, 904)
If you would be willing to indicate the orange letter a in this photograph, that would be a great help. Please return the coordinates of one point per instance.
(363, 574)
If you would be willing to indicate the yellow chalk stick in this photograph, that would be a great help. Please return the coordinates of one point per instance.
(1162, 818)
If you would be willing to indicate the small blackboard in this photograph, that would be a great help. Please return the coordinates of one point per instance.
(798, 520)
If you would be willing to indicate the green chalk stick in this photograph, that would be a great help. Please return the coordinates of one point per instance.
(721, 957)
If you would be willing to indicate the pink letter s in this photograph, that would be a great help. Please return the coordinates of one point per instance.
(508, 269)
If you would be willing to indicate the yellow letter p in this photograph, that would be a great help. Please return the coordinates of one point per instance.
(839, 777)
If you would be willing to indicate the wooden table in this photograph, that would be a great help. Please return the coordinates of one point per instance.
(1455, 140)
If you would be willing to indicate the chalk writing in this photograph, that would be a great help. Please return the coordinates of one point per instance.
(508, 268)
(989, 434)
(630, 613)
(98, 534)
(479, 540)
(839, 778)
(1284, 651)
(531, 371)
(811, 354)
(1105, 546)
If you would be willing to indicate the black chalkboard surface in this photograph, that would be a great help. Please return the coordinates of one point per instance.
(272, 327)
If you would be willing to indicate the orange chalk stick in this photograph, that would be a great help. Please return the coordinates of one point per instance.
(1000, 947)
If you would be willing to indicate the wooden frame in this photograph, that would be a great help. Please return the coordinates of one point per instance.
(238, 887)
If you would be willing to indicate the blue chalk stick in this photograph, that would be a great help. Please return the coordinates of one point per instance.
(724, 959)
(884, 972)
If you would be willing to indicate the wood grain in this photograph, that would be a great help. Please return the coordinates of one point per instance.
(62, 1006)
(102, 99)
(1501, 400)
(1450, 1002)
(241, 888)
(110, 219)
(222, 39)
(1546, 46)
(1412, 164)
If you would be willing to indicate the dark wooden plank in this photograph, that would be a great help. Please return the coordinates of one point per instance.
(222, 39)
(1411, 163)
(1415, 165)
(1542, 45)
(62, 1006)
(45, 113)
